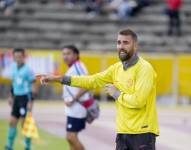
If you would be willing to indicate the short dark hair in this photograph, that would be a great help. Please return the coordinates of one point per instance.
(73, 48)
(19, 50)
(129, 32)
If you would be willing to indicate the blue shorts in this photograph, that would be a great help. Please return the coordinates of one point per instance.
(75, 124)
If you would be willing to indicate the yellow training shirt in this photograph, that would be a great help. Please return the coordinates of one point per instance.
(136, 105)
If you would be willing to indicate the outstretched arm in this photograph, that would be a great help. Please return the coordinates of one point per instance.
(87, 82)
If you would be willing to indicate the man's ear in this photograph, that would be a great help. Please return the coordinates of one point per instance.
(76, 56)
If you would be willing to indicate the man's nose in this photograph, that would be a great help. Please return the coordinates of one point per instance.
(121, 46)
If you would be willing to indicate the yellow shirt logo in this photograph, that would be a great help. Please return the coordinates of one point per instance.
(130, 83)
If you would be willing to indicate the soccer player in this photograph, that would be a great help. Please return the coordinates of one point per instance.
(74, 97)
(20, 98)
(132, 83)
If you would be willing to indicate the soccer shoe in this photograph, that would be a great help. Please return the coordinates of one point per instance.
(7, 148)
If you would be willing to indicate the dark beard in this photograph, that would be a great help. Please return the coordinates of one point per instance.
(125, 56)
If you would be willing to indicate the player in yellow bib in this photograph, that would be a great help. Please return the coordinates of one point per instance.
(132, 83)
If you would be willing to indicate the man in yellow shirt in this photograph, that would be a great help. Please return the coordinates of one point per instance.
(132, 83)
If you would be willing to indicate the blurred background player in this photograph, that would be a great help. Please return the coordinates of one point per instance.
(20, 98)
(74, 97)
(173, 12)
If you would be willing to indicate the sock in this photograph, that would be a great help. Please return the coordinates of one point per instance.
(28, 143)
(11, 137)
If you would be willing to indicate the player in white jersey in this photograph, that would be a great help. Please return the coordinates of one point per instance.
(75, 98)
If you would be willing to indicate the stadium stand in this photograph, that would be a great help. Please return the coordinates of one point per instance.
(48, 24)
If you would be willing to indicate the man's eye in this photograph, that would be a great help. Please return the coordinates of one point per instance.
(126, 42)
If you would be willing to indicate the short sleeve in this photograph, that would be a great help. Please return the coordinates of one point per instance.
(30, 75)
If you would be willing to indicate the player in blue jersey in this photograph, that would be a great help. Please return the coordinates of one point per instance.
(21, 96)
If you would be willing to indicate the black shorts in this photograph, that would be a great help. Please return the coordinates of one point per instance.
(75, 124)
(19, 108)
(145, 141)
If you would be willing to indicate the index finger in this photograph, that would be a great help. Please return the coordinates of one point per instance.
(39, 76)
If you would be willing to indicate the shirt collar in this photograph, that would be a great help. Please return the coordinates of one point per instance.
(19, 67)
(73, 63)
(132, 61)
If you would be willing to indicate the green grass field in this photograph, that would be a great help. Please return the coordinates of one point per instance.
(46, 141)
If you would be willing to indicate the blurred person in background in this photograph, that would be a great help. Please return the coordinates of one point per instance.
(94, 7)
(140, 5)
(173, 12)
(126, 8)
(7, 5)
(74, 98)
(21, 96)
(132, 83)
(123, 9)
(112, 8)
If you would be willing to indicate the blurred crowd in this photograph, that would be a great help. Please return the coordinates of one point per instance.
(115, 9)
(121, 9)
